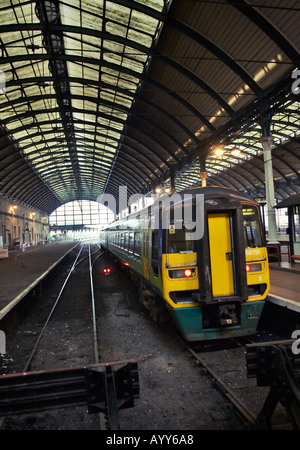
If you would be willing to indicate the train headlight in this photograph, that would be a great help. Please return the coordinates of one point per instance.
(188, 273)
(253, 267)
(182, 273)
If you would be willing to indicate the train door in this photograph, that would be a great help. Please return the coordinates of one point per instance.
(220, 244)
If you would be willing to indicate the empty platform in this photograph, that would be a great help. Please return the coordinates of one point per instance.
(285, 285)
(23, 270)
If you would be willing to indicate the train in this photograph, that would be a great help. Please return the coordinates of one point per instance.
(214, 280)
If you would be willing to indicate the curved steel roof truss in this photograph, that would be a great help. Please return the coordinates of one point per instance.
(103, 93)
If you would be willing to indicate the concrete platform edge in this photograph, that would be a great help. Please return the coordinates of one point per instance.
(16, 300)
(283, 302)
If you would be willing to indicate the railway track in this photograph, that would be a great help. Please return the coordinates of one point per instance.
(257, 405)
(42, 354)
(71, 272)
(243, 410)
(173, 394)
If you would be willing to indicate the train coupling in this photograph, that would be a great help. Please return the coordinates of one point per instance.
(228, 315)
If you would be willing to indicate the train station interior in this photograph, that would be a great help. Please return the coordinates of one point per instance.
(148, 95)
(109, 105)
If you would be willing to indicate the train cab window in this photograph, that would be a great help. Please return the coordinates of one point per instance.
(252, 227)
(177, 242)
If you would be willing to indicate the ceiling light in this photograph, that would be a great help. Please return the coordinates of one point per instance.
(219, 151)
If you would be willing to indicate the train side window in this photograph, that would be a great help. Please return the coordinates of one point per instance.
(155, 248)
(131, 242)
(122, 240)
(252, 227)
(137, 243)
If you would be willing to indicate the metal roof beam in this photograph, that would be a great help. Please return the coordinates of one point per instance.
(217, 51)
(266, 26)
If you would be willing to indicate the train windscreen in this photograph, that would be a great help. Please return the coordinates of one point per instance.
(252, 227)
(177, 242)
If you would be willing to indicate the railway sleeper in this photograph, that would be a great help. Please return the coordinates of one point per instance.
(275, 365)
(104, 388)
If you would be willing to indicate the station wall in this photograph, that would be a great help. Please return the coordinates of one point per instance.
(20, 225)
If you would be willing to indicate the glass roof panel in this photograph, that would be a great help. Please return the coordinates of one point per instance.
(80, 100)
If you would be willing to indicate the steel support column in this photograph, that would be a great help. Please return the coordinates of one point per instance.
(203, 172)
(267, 143)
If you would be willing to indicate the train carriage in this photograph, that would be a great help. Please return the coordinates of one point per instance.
(213, 281)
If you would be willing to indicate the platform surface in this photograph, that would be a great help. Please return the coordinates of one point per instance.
(285, 285)
(21, 271)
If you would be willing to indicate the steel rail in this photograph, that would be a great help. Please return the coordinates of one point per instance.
(85, 257)
(102, 420)
(112, 418)
(246, 413)
(29, 360)
(95, 340)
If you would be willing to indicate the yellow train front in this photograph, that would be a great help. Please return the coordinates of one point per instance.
(213, 283)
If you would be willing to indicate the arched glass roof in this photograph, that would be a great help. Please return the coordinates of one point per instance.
(81, 213)
(100, 94)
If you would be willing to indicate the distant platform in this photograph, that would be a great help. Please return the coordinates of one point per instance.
(285, 285)
(23, 270)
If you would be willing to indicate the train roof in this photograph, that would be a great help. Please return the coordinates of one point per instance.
(218, 192)
(209, 192)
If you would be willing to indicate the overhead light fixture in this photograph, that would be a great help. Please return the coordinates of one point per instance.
(219, 151)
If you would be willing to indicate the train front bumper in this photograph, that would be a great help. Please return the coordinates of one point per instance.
(190, 321)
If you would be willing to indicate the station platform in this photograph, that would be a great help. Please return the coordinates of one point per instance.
(23, 270)
(285, 285)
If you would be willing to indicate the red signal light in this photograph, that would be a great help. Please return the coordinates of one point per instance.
(106, 270)
(188, 273)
